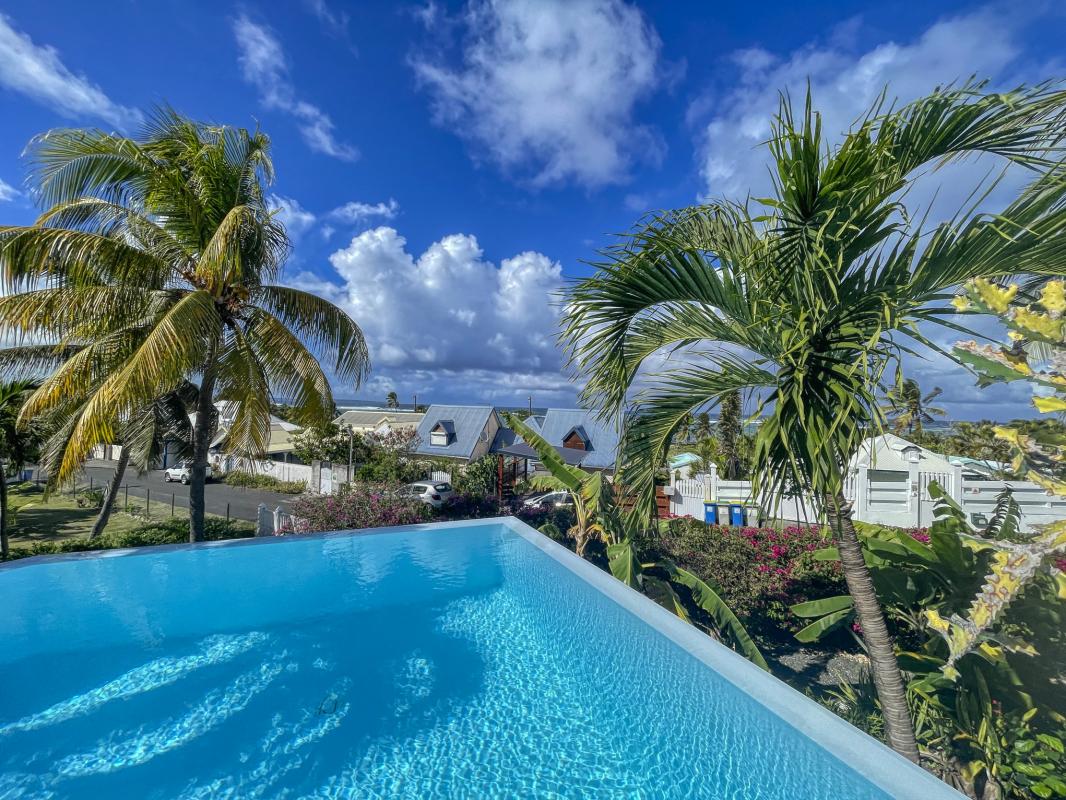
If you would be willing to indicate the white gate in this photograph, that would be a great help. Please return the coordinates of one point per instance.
(926, 504)
(325, 478)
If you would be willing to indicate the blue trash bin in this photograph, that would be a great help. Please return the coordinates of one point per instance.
(710, 513)
(736, 515)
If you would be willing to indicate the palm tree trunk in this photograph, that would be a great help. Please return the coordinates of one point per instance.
(112, 493)
(4, 549)
(201, 443)
(884, 669)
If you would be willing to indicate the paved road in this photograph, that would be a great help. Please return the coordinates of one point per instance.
(243, 503)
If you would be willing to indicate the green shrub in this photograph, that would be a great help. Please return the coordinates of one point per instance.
(174, 530)
(250, 480)
(761, 571)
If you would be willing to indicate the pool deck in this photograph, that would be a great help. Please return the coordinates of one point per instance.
(878, 764)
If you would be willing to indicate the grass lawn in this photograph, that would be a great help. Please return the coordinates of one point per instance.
(57, 518)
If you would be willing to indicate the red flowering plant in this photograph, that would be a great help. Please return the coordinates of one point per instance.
(761, 571)
(361, 505)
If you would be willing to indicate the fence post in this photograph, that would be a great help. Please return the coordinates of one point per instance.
(147, 503)
(227, 513)
(172, 498)
(127, 504)
(264, 521)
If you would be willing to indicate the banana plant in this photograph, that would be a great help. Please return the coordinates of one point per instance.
(660, 579)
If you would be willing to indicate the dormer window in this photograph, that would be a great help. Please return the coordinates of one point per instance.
(577, 439)
(442, 434)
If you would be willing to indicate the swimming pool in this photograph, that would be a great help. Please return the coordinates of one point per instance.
(474, 659)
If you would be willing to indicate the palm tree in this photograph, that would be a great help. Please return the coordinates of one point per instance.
(729, 432)
(164, 423)
(15, 445)
(391, 400)
(909, 409)
(806, 301)
(160, 256)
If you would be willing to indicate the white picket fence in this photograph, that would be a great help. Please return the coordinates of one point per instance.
(886, 497)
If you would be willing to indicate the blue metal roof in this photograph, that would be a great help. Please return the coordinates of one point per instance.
(464, 424)
(602, 435)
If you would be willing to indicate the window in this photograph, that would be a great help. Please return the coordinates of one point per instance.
(443, 433)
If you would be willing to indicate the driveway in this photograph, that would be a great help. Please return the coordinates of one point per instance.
(242, 503)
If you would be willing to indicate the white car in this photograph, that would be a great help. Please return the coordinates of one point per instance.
(556, 499)
(433, 493)
(182, 473)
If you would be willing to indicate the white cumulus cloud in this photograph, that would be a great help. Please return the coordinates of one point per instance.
(263, 64)
(448, 319)
(546, 89)
(7, 192)
(35, 70)
(844, 84)
(296, 219)
(357, 212)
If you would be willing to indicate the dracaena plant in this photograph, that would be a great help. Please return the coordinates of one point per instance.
(806, 300)
(159, 258)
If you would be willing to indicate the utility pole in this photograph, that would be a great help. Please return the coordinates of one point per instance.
(351, 449)
(416, 403)
(531, 405)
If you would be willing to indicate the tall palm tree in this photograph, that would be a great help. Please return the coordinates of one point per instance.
(160, 255)
(729, 431)
(807, 300)
(909, 409)
(16, 445)
(391, 400)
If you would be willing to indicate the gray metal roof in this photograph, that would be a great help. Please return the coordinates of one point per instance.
(602, 435)
(467, 422)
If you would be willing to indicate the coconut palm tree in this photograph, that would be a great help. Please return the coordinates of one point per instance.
(159, 255)
(909, 409)
(162, 424)
(391, 400)
(16, 444)
(806, 299)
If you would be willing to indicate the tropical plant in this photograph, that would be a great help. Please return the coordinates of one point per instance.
(478, 478)
(391, 400)
(908, 408)
(159, 256)
(660, 579)
(809, 299)
(975, 673)
(16, 446)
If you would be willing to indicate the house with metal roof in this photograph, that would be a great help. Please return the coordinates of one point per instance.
(591, 442)
(378, 420)
(465, 433)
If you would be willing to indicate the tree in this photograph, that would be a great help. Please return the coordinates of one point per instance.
(328, 443)
(16, 446)
(160, 255)
(391, 400)
(729, 433)
(909, 409)
(809, 298)
(143, 437)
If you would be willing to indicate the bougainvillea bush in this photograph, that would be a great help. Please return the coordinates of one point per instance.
(761, 571)
(363, 505)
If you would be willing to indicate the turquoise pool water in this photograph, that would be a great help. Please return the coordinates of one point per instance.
(466, 661)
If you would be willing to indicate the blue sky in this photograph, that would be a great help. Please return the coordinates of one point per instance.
(445, 167)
